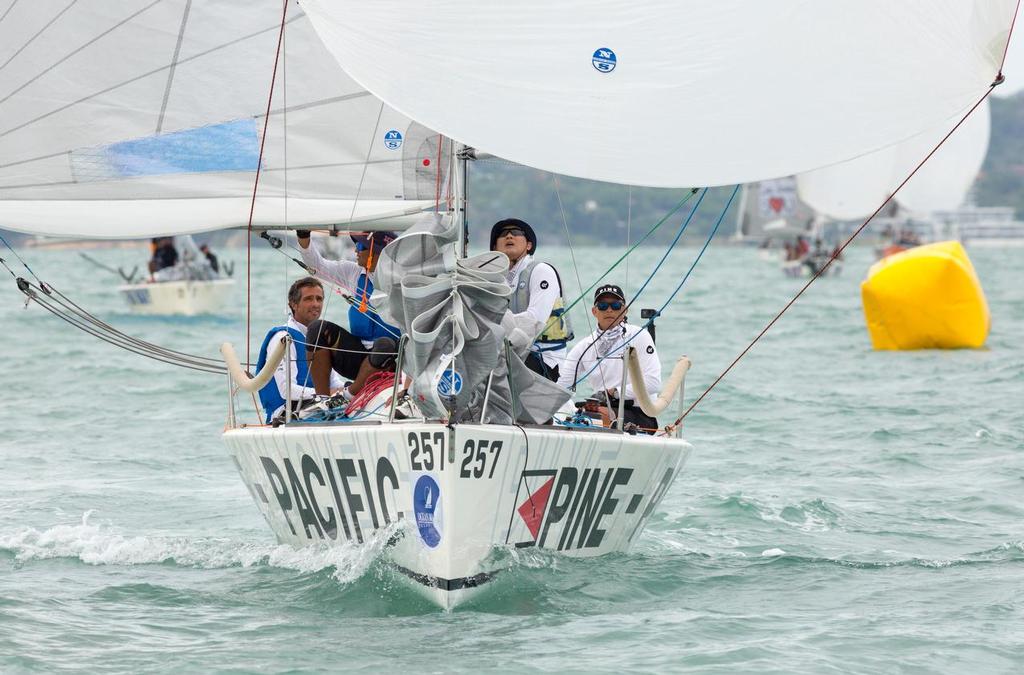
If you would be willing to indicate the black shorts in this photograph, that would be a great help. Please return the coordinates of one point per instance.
(535, 362)
(347, 351)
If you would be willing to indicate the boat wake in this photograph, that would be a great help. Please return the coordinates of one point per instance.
(100, 544)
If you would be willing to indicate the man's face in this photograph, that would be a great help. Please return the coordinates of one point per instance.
(366, 257)
(513, 243)
(609, 311)
(308, 308)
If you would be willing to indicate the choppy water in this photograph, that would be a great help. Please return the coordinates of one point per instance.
(844, 510)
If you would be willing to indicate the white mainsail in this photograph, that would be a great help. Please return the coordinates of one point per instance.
(854, 189)
(672, 92)
(140, 117)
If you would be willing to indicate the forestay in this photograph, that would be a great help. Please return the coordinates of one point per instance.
(142, 117)
(854, 189)
(672, 92)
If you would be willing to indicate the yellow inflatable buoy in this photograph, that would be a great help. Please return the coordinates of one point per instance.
(927, 297)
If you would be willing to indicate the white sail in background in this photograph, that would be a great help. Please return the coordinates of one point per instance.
(672, 92)
(142, 117)
(855, 189)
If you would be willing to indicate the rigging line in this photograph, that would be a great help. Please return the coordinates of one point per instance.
(679, 287)
(686, 222)
(73, 307)
(44, 302)
(8, 11)
(576, 270)
(255, 186)
(79, 49)
(174, 65)
(23, 263)
(832, 258)
(625, 256)
(629, 230)
(366, 161)
(42, 30)
(1009, 35)
(137, 78)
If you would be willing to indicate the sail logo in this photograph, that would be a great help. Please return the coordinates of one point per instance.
(428, 517)
(393, 139)
(604, 60)
(450, 383)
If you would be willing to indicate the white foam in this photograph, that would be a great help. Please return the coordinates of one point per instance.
(772, 553)
(104, 545)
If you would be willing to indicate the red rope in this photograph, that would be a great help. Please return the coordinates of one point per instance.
(255, 185)
(838, 252)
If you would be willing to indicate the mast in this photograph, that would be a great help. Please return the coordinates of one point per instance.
(463, 156)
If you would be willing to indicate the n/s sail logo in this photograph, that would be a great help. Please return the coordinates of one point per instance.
(425, 498)
(393, 139)
(450, 383)
(604, 60)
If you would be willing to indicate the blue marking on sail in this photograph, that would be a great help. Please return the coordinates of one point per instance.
(229, 146)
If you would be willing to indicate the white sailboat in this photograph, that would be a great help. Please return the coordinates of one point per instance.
(606, 91)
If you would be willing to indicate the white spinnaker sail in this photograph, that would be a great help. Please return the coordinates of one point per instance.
(672, 92)
(140, 117)
(855, 189)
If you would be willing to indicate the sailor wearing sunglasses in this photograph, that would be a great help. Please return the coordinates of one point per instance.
(605, 348)
(537, 292)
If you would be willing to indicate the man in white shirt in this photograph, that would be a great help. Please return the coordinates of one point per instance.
(536, 292)
(305, 302)
(335, 349)
(599, 358)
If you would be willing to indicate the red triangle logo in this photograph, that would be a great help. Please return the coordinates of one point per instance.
(532, 510)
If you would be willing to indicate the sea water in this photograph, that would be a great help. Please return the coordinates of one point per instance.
(844, 510)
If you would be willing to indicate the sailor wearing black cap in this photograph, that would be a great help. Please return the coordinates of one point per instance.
(537, 292)
(587, 359)
(331, 346)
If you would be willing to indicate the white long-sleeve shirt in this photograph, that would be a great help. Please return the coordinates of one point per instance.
(544, 291)
(343, 273)
(608, 374)
(298, 392)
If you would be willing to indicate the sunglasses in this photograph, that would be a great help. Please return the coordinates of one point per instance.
(605, 306)
(513, 232)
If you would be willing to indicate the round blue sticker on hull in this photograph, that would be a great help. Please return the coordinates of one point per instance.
(604, 60)
(393, 139)
(425, 498)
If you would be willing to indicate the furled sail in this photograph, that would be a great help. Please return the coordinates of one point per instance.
(672, 92)
(144, 117)
(854, 189)
(455, 312)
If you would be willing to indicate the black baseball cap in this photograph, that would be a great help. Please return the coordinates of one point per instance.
(609, 289)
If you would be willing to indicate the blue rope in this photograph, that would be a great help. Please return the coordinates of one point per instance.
(678, 288)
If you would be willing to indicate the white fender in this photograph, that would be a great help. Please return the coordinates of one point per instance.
(636, 378)
(238, 374)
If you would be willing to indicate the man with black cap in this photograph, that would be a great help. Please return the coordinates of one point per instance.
(600, 358)
(332, 347)
(537, 292)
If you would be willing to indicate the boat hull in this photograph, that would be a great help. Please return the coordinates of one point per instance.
(463, 492)
(178, 297)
